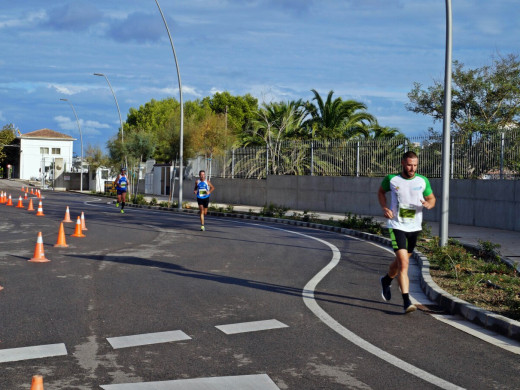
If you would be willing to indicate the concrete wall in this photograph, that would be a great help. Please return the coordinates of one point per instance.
(486, 203)
(72, 181)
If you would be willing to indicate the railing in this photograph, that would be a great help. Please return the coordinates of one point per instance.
(494, 156)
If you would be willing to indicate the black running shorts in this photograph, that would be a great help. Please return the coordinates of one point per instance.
(403, 240)
(204, 202)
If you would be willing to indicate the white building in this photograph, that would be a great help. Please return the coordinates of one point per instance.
(44, 151)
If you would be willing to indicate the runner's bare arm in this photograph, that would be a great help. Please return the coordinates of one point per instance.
(381, 196)
(429, 201)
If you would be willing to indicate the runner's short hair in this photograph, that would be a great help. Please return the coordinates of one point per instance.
(409, 154)
(202, 170)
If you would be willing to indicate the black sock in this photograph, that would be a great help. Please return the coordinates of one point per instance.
(406, 299)
(122, 205)
(387, 280)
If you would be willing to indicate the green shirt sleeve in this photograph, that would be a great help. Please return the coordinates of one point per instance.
(385, 185)
(428, 189)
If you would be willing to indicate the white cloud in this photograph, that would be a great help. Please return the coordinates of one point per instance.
(88, 128)
(69, 89)
(31, 18)
(169, 91)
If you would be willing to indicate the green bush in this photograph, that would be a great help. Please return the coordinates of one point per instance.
(274, 211)
(138, 199)
(367, 224)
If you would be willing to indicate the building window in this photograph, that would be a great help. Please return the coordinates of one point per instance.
(44, 150)
(104, 174)
(56, 150)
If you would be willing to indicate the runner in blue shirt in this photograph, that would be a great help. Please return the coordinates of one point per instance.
(203, 188)
(121, 184)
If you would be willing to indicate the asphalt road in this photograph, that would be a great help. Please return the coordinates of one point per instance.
(154, 275)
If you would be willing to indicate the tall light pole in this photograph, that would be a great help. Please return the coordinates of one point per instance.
(118, 111)
(81, 141)
(445, 203)
(181, 146)
(117, 105)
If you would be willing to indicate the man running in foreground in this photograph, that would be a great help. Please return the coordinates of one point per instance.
(121, 183)
(203, 188)
(410, 192)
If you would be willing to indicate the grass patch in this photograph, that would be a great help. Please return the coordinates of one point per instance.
(477, 276)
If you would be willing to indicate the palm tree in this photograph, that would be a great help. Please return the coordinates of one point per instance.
(337, 118)
(384, 132)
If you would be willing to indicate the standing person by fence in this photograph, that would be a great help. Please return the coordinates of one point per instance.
(410, 193)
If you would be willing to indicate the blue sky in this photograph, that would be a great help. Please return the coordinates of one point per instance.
(369, 50)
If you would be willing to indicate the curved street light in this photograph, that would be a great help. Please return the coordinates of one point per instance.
(81, 141)
(181, 146)
(117, 105)
(125, 162)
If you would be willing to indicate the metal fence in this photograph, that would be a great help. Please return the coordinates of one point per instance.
(495, 156)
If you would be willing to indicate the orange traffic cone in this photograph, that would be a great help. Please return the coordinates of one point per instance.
(78, 232)
(2, 197)
(61, 243)
(31, 207)
(40, 210)
(83, 226)
(22, 188)
(32, 193)
(25, 195)
(20, 203)
(39, 253)
(67, 216)
(37, 382)
(9, 201)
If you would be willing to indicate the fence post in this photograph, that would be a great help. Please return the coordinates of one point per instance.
(357, 159)
(452, 157)
(312, 158)
(502, 155)
(266, 161)
(232, 163)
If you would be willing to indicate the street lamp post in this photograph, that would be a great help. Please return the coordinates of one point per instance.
(117, 105)
(81, 141)
(181, 146)
(445, 203)
(119, 113)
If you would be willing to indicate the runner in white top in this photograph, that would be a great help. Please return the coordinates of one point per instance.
(410, 193)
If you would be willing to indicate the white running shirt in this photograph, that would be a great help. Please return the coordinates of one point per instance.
(406, 196)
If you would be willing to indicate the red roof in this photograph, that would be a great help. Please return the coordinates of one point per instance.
(47, 133)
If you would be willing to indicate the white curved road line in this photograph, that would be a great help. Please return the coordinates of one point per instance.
(310, 302)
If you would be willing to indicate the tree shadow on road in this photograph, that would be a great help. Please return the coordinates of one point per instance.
(181, 271)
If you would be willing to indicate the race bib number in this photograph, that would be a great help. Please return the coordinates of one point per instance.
(203, 192)
(122, 185)
(406, 213)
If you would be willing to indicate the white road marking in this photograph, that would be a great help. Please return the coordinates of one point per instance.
(310, 302)
(253, 326)
(243, 382)
(483, 334)
(459, 323)
(35, 352)
(147, 339)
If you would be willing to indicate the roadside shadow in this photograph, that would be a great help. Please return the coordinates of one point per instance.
(181, 271)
